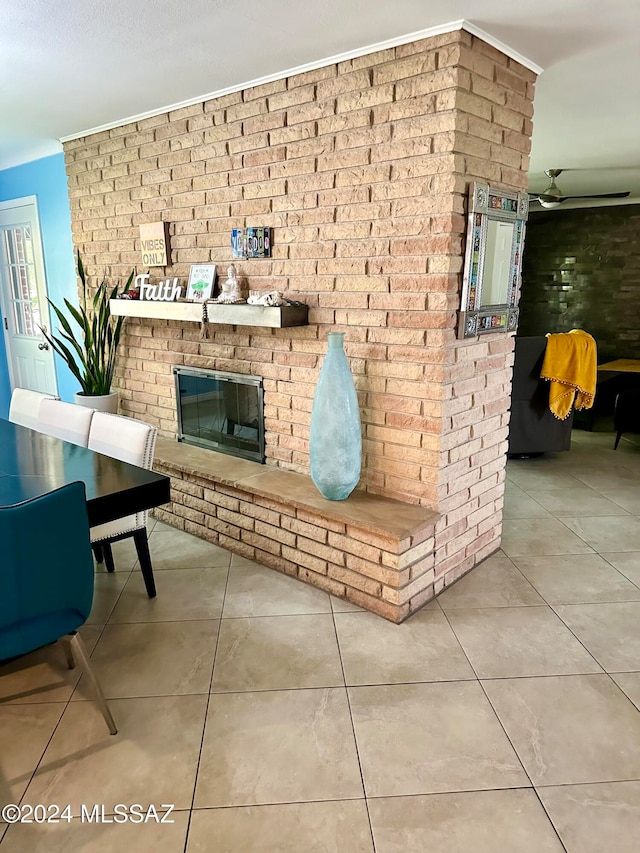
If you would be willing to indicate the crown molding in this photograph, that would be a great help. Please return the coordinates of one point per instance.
(452, 26)
(501, 46)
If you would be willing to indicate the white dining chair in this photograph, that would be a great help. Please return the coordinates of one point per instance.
(131, 441)
(66, 421)
(25, 406)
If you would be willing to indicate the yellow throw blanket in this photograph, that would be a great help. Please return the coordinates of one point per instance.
(570, 364)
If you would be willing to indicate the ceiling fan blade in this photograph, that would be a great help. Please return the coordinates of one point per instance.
(553, 199)
(599, 195)
(548, 198)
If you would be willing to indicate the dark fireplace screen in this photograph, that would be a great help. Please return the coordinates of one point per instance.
(222, 411)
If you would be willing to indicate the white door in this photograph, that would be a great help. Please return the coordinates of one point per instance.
(23, 297)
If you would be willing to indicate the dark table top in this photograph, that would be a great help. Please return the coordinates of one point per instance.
(622, 365)
(32, 464)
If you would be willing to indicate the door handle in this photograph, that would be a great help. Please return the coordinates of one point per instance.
(43, 345)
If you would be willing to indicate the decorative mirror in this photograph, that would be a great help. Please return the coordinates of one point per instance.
(493, 261)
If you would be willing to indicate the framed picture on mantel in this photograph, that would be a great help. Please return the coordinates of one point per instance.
(202, 278)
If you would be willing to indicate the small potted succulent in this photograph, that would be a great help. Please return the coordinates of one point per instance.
(90, 349)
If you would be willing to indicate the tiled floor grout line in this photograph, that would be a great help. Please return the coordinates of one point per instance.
(558, 616)
(636, 584)
(506, 734)
(55, 728)
(635, 705)
(403, 796)
(206, 711)
(479, 680)
(353, 729)
(513, 747)
(555, 828)
(340, 686)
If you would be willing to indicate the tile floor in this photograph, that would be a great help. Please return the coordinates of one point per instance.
(502, 718)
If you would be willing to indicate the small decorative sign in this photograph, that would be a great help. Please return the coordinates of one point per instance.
(163, 291)
(251, 242)
(154, 242)
(492, 322)
(202, 277)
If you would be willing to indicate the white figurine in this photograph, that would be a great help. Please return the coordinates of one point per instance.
(231, 293)
(272, 297)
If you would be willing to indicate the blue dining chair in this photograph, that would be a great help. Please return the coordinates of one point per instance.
(46, 579)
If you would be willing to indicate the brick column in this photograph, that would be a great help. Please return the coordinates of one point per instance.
(494, 106)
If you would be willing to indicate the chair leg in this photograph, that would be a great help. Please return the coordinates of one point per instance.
(79, 648)
(68, 651)
(618, 437)
(108, 556)
(98, 553)
(142, 547)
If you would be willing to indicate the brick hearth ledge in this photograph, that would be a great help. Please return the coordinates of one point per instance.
(374, 551)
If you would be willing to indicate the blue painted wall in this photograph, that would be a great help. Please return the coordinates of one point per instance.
(47, 180)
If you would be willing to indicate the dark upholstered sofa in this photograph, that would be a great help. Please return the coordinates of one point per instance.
(532, 427)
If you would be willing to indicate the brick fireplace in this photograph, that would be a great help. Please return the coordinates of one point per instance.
(361, 169)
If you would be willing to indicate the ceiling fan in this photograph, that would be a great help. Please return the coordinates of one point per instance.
(552, 196)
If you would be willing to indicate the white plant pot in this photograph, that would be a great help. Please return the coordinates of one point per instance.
(101, 403)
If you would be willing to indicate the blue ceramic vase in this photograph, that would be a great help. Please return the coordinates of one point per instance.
(335, 439)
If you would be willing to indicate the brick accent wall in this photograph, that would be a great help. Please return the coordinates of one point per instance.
(582, 270)
(362, 169)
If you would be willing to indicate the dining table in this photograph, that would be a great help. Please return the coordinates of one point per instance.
(33, 464)
(621, 365)
(613, 377)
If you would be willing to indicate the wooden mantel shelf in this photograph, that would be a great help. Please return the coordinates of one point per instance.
(234, 315)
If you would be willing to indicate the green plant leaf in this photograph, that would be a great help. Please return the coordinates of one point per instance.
(90, 350)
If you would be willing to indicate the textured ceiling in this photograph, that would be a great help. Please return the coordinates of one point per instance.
(68, 66)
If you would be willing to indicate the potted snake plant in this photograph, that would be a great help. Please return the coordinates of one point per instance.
(88, 342)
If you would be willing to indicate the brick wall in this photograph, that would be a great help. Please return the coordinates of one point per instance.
(582, 270)
(362, 170)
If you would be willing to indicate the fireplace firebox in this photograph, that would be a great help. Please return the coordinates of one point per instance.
(221, 411)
